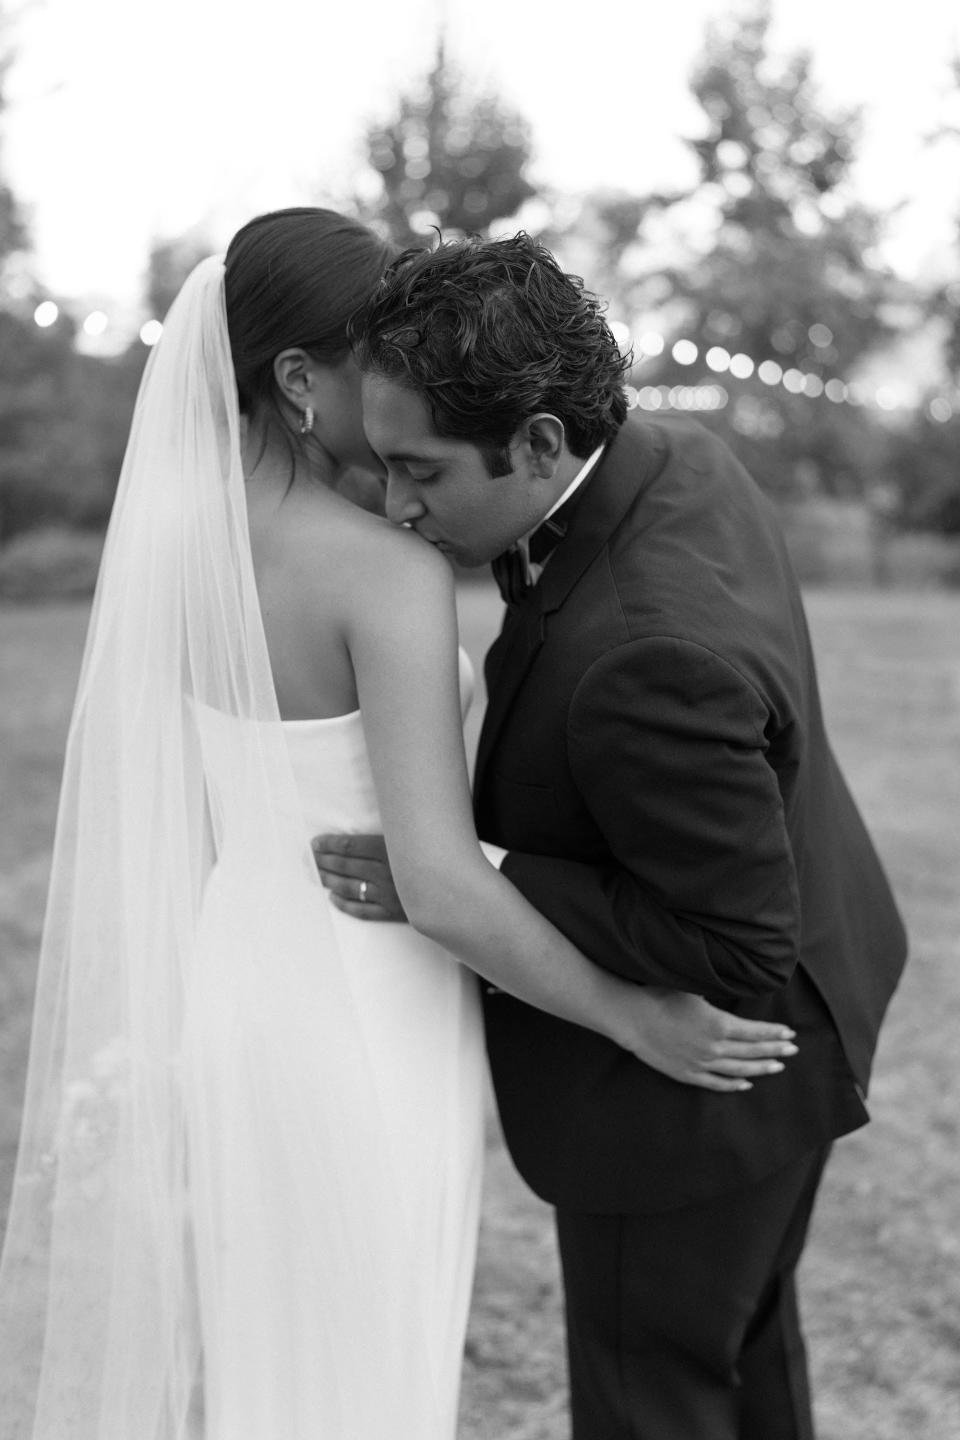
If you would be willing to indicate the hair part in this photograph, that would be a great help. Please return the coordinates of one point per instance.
(490, 332)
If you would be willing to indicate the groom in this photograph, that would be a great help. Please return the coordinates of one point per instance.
(654, 765)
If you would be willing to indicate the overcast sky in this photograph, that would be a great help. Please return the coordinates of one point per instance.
(130, 120)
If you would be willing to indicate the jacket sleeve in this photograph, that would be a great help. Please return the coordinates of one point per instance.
(698, 890)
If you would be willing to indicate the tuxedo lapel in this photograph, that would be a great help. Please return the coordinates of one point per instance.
(633, 458)
(508, 660)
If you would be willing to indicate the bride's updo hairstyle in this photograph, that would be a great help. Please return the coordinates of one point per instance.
(293, 278)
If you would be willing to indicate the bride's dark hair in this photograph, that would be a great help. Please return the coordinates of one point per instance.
(293, 278)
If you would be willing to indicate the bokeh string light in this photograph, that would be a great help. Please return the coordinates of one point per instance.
(46, 314)
(96, 323)
(743, 367)
(685, 351)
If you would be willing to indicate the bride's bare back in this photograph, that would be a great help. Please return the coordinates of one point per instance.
(322, 567)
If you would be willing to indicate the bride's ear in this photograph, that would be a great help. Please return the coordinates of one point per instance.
(292, 372)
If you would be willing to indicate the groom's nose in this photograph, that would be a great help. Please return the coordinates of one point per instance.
(401, 501)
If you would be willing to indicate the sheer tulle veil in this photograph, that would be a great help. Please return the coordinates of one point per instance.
(99, 1320)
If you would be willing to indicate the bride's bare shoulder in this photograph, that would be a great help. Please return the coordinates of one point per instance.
(361, 556)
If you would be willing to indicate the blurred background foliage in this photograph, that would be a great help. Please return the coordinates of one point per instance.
(449, 158)
(756, 299)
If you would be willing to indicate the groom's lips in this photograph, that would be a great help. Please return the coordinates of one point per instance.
(445, 547)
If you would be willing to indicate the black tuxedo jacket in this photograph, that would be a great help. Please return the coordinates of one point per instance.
(653, 758)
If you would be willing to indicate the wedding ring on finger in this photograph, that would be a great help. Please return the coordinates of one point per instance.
(364, 887)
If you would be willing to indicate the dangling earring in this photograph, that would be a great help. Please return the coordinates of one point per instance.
(306, 420)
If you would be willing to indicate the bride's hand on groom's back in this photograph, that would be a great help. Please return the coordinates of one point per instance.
(687, 1038)
(355, 871)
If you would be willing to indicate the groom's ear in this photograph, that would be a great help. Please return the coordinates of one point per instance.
(545, 440)
(291, 370)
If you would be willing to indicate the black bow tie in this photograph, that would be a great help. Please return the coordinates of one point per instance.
(510, 569)
(510, 573)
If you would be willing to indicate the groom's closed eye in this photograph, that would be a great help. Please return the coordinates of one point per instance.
(420, 474)
(418, 468)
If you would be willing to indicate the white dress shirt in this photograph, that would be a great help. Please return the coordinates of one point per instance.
(534, 571)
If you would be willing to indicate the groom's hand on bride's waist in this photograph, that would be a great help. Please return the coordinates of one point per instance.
(356, 872)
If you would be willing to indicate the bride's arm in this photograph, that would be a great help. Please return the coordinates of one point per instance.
(402, 636)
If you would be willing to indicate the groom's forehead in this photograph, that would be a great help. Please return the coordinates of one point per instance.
(396, 417)
(389, 400)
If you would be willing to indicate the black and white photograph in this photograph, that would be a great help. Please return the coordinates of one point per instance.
(480, 725)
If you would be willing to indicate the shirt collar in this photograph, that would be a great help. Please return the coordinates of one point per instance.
(534, 571)
(574, 485)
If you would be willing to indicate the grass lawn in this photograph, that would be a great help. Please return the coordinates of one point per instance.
(881, 1279)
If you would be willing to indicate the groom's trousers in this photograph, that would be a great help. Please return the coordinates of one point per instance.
(684, 1325)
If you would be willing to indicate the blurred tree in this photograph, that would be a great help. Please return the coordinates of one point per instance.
(14, 239)
(169, 263)
(63, 425)
(923, 461)
(449, 158)
(601, 236)
(945, 298)
(25, 361)
(34, 363)
(923, 467)
(63, 415)
(786, 267)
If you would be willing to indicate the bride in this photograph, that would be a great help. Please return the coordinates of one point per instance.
(246, 1197)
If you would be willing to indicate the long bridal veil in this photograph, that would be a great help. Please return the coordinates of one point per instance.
(100, 1324)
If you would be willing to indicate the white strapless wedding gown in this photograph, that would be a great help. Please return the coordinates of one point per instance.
(334, 1093)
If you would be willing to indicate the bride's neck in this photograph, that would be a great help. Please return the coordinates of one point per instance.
(273, 460)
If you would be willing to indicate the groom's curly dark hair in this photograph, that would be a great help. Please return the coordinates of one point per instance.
(489, 332)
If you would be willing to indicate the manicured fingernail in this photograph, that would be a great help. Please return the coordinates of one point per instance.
(773, 1067)
(789, 1050)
